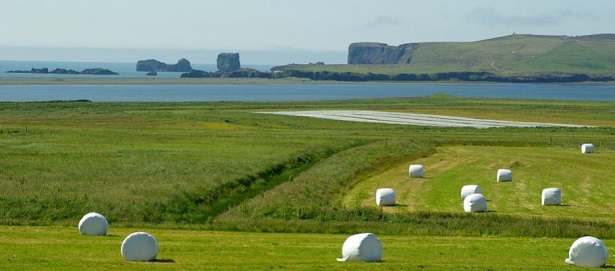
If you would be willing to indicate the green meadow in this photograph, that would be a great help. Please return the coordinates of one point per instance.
(224, 188)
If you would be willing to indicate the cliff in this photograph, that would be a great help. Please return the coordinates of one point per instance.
(153, 65)
(380, 53)
(228, 62)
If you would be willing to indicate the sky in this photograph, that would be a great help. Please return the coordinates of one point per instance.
(272, 31)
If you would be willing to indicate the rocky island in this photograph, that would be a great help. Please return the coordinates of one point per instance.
(229, 66)
(94, 71)
(153, 65)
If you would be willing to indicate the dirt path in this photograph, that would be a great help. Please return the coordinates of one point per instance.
(493, 66)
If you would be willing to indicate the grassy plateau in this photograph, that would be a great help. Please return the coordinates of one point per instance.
(514, 56)
(223, 188)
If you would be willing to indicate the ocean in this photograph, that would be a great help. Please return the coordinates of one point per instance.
(297, 92)
(125, 70)
(275, 91)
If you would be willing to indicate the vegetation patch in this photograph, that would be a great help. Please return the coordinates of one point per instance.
(220, 166)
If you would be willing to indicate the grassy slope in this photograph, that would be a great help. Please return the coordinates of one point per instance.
(516, 54)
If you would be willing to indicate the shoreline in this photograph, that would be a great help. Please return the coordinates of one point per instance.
(236, 81)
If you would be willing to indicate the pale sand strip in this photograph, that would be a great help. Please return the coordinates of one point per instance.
(414, 119)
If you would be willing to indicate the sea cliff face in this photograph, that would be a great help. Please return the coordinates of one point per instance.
(228, 62)
(380, 53)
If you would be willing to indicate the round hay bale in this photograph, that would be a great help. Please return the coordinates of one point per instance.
(588, 251)
(416, 171)
(475, 203)
(93, 224)
(365, 247)
(504, 175)
(470, 189)
(385, 197)
(551, 196)
(587, 148)
(140, 247)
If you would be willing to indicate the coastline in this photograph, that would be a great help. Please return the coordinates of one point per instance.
(245, 81)
(142, 81)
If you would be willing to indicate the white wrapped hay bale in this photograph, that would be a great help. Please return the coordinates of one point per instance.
(552, 196)
(365, 247)
(470, 189)
(475, 203)
(385, 197)
(140, 247)
(587, 251)
(504, 175)
(587, 148)
(93, 224)
(416, 171)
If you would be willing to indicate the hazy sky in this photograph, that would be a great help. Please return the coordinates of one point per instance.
(289, 27)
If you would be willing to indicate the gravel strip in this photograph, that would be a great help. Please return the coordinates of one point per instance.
(414, 119)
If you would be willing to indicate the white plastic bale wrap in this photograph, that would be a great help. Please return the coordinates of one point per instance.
(551, 196)
(587, 148)
(140, 247)
(364, 247)
(474, 203)
(416, 171)
(93, 224)
(588, 251)
(385, 197)
(504, 175)
(470, 189)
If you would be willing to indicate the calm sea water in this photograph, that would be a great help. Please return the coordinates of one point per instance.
(125, 70)
(297, 92)
(272, 92)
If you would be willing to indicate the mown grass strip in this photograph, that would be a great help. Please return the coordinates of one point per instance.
(62, 248)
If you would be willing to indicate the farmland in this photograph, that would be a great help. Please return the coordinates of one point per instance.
(193, 172)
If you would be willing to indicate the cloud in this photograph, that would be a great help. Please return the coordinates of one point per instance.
(384, 21)
(491, 17)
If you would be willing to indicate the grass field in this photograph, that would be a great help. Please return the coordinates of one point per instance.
(224, 188)
(584, 180)
(60, 248)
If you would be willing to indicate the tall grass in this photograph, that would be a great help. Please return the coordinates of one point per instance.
(315, 190)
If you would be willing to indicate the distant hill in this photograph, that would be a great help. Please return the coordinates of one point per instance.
(510, 58)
